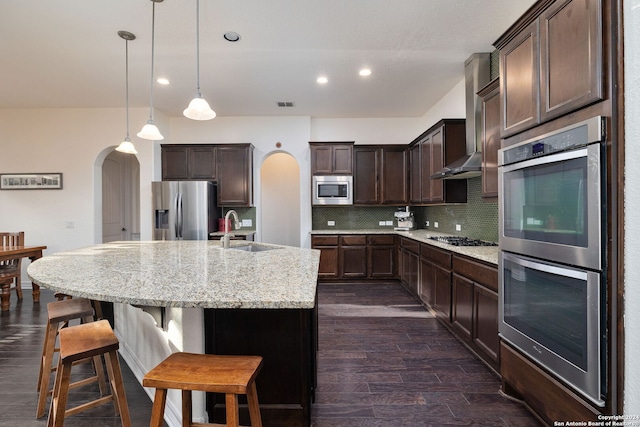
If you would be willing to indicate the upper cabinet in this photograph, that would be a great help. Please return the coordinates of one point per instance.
(235, 183)
(184, 162)
(519, 64)
(231, 165)
(571, 57)
(551, 63)
(331, 158)
(490, 106)
(380, 175)
(439, 146)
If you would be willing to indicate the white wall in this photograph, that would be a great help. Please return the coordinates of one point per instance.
(390, 130)
(632, 205)
(68, 141)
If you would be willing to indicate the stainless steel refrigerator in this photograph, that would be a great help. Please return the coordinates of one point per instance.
(184, 210)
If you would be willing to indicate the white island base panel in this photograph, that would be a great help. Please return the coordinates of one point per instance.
(144, 344)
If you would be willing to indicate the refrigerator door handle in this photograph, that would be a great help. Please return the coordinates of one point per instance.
(179, 216)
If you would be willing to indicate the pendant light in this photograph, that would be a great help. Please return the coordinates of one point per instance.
(126, 146)
(198, 108)
(150, 130)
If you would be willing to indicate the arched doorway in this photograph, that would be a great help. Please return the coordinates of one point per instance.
(120, 197)
(280, 200)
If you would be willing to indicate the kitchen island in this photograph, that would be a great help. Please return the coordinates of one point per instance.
(195, 296)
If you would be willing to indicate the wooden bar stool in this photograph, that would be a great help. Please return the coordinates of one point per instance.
(79, 342)
(59, 314)
(231, 375)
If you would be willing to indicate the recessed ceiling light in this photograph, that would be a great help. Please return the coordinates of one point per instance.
(163, 81)
(365, 72)
(322, 80)
(231, 36)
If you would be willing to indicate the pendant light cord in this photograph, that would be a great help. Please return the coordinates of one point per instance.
(153, 37)
(198, 46)
(126, 68)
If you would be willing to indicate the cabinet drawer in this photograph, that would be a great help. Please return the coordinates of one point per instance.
(479, 273)
(384, 239)
(411, 245)
(435, 255)
(354, 240)
(324, 240)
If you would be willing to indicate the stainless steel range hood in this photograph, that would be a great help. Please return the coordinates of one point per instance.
(477, 74)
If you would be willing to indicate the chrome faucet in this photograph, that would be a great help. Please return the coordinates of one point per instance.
(227, 235)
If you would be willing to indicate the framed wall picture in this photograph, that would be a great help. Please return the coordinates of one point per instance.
(30, 181)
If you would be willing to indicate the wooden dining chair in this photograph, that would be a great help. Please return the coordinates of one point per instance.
(10, 269)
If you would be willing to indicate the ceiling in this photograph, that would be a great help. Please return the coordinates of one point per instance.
(67, 54)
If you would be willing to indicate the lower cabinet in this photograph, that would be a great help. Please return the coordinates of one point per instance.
(475, 307)
(328, 246)
(352, 255)
(356, 256)
(381, 256)
(410, 252)
(435, 276)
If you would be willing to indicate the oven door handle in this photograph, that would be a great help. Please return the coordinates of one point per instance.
(547, 268)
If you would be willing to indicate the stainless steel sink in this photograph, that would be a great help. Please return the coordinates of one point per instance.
(253, 248)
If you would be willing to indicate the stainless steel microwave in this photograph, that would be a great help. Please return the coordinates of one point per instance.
(332, 190)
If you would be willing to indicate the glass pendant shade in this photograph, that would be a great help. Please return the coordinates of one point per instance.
(199, 109)
(126, 147)
(150, 131)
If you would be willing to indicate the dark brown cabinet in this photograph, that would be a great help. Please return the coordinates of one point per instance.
(235, 168)
(353, 256)
(331, 158)
(410, 253)
(475, 307)
(328, 246)
(415, 174)
(490, 96)
(462, 313)
(357, 256)
(381, 256)
(553, 66)
(571, 60)
(435, 279)
(380, 175)
(519, 81)
(188, 162)
(366, 181)
(439, 146)
(231, 165)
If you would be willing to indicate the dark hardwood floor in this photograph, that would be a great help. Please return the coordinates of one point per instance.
(383, 361)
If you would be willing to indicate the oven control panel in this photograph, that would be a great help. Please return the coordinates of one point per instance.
(569, 138)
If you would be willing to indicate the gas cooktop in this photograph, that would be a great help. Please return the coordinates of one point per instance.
(462, 241)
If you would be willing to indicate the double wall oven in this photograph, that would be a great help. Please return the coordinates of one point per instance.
(552, 232)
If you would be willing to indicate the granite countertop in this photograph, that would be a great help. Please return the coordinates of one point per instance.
(484, 253)
(186, 273)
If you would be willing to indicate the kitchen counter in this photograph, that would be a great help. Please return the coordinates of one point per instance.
(484, 253)
(198, 297)
(185, 273)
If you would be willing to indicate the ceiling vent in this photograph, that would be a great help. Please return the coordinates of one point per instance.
(285, 104)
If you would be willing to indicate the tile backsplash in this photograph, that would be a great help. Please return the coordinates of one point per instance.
(244, 213)
(478, 218)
